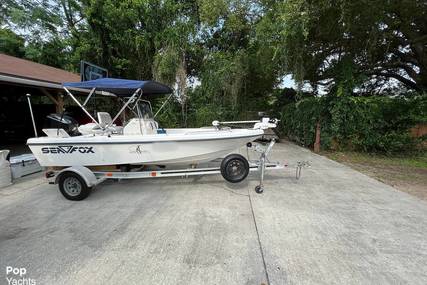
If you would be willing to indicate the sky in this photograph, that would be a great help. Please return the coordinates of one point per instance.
(287, 82)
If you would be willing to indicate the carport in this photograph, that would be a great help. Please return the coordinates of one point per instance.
(19, 77)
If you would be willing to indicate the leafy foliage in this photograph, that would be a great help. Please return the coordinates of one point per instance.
(370, 124)
(368, 41)
(226, 59)
(11, 43)
(299, 120)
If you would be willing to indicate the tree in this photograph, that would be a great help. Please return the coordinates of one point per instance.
(352, 44)
(52, 52)
(11, 43)
(237, 70)
(42, 34)
(230, 50)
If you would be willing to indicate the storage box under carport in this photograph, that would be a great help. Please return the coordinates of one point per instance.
(24, 164)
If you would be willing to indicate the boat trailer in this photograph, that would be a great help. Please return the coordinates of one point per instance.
(76, 182)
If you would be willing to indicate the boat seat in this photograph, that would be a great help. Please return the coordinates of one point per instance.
(89, 129)
(104, 120)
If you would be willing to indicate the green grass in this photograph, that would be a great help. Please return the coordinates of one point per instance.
(407, 173)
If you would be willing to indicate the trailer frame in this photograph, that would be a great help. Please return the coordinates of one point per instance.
(89, 179)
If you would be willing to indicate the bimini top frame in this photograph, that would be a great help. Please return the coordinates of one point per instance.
(115, 87)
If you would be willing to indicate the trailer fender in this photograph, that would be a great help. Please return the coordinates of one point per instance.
(85, 173)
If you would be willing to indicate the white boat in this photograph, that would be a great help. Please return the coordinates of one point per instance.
(140, 141)
(185, 146)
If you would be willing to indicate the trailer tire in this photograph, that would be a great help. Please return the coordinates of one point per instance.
(234, 168)
(73, 187)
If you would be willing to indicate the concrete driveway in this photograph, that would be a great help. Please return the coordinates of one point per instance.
(334, 226)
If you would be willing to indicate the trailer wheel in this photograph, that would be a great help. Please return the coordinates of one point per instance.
(234, 168)
(259, 189)
(73, 187)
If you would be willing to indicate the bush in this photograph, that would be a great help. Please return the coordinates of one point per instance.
(298, 120)
(369, 124)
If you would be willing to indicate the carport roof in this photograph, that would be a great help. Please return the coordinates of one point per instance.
(13, 67)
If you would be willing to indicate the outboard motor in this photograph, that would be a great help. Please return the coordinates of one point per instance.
(60, 121)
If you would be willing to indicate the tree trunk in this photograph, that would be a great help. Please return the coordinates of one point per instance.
(317, 142)
(181, 79)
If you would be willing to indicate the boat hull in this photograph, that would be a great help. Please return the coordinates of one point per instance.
(103, 150)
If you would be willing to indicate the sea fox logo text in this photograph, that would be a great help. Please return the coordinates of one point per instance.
(68, 149)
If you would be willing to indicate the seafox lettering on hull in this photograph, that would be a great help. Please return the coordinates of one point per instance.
(68, 149)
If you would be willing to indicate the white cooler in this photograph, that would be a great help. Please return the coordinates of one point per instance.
(5, 175)
(24, 164)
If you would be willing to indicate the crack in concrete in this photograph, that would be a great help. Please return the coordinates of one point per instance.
(259, 240)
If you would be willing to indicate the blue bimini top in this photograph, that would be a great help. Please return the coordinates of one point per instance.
(121, 87)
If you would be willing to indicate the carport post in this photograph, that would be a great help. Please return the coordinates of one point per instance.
(32, 116)
(59, 106)
(57, 99)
